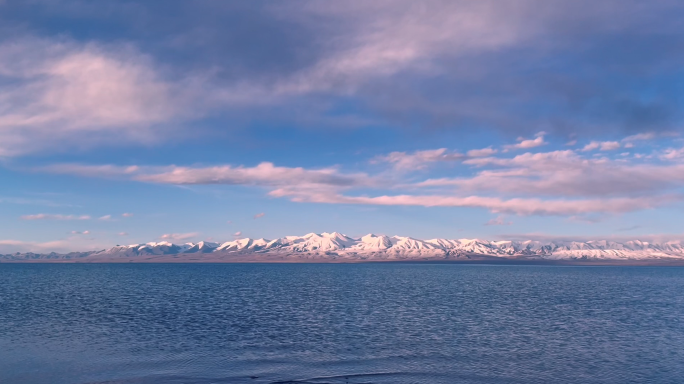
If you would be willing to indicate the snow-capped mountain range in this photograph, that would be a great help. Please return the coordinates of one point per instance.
(338, 247)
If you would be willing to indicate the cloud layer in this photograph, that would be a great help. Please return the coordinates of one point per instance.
(516, 67)
(73, 94)
(559, 182)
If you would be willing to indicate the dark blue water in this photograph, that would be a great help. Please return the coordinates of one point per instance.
(362, 323)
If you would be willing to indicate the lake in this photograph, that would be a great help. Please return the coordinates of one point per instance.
(340, 323)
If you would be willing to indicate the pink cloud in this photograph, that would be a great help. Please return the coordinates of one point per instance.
(394, 39)
(499, 220)
(610, 145)
(604, 146)
(418, 159)
(640, 137)
(564, 173)
(179, 236)
(265, 174)
(78, 95)
(103, 171)
(46, 216)
(591, 146)
(519, 206)
(544, 183)
(672, 154)
(481, 152)
(526, 144)
(421, 159)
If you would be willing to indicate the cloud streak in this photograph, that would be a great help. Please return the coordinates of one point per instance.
(418, 159)
(178, 236)
(47, 216)
(566, 173)
(555, 183)
(263, 174)
(519, 206)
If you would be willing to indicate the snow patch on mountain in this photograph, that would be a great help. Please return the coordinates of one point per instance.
(335, 245)
(373, 245)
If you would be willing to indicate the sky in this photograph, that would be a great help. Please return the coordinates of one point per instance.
(126, 122)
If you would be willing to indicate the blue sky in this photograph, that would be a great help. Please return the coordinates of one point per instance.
(124, 122)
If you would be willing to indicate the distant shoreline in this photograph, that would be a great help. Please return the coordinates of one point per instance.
(484, 260)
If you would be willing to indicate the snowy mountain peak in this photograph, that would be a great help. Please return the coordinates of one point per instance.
(335, 245)
(371, 244)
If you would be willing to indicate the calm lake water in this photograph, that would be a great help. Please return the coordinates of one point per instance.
(360, 323)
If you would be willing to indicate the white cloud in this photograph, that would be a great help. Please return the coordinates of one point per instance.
(526, 144)
(383, 39)
(123, 234)
(565, 174)
(610, 145)
(80, 233)
(259, 215)
(591, 146)
(481, 152)
(519, 206)
(418, 159)
(105, 218)
(91, 170)
(421, 159)
(47, 216)
(179, 236)
(604, 146)
(264, 174)
(640, 137)
(672, 154)
(64, 94)
(127, 214)
(499, 220)
(545, 183)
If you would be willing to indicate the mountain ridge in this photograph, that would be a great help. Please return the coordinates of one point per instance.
(339, 247)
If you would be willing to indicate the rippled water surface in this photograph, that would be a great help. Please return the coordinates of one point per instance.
(361, 323)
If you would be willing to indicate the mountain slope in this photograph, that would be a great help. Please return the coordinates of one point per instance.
(336, 246)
